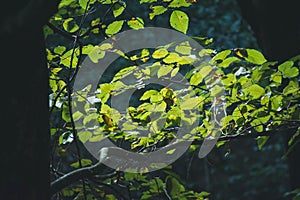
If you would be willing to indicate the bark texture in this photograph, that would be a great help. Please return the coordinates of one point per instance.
(24, 148)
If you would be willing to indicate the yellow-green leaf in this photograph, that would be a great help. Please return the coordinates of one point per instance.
(70, 25)
(179, 3)
(172, 58)
(164, 70)
(157, 10)
(136, 23)
(179, 20)
(196, 78)
(255, 91)
(288, 70)
(114, 27)
(160, 53)
(251, 55)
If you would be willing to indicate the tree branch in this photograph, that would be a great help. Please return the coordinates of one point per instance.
(73, 176)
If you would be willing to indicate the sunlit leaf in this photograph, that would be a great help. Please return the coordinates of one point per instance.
(114, 27)
(228, 61)
(164, 70)
(174, 71)
(148, 94)
(136, 23)
(196, 78)
(221, 56)
(255, 91)
(77, 115)
(179, 20)
(157, 10)
(291, 88)
(96, 54)
(84, 136)
(59, 49)
(118, 9)
(172, 58)
(179, 3)
(229, 80)
(70, 25)
(251, 55)
(148, 1)
(184, 48)
(160, 53)
(288, 70)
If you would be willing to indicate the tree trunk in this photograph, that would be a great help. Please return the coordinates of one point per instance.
(24, 149)
(276, 25)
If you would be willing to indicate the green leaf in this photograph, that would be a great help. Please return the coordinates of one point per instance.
(147, 1)
(276, 77)
(291, 88)
(84, 163)
(114, 27)
(255, 57)
(251, 55)
(157, 10)
(184, 48)
(160, 53)
(70, 25)
(276, 102)
(136, 23)
(221, 56)
(174, 71)
(205, 70)
(83, 3)
(186, 60)
(96, 138)
(96, 54)
(196, 78)
(65, 138)
(66, 113)
(65, 3)
(179, 20)
(67, 57)
(107, 1)
(190, 103)
(84, 136)
(173, 187)
(164, 70)
(229, 80)
(60, 49)
(255, 91)
(288, 70)
(172, 58)
(87, 49)
(90, 120)
(124, 72)
(292, 139)
(144, 53)
(216, 90)
(261, 141)
(156, 98)
(67, 192)
(148, 94)
(118, 9)
(170, 152)
(179, 3)
(262, 116)
(203, 40)
(228, 61)
(77, 115)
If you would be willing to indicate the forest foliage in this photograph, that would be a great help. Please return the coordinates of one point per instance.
(260, 96)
